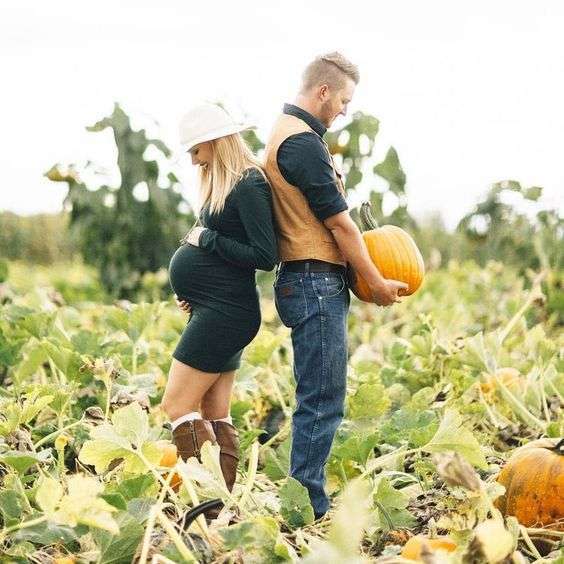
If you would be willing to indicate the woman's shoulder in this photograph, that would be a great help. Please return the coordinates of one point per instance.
(253, 178)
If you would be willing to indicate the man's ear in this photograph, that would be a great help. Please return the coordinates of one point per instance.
(323, 92)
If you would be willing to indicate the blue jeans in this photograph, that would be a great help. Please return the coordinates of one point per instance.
(315, 306)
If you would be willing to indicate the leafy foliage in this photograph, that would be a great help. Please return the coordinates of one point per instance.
(496, 228)
(125, 232)
(81, 433)
(296, 507)
(127, 438)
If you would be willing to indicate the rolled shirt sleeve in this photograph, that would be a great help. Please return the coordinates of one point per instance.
(304, 162)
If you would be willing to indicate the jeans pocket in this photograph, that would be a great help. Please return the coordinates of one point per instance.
(329, 284)
(290, 301)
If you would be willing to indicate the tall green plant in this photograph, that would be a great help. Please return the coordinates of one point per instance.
(354, 144)
(497, 230)
(124, 233)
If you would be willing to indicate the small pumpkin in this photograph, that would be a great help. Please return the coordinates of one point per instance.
(414, 546)
(510, 377)
(534, 484)
(393, 252)
(169, 456)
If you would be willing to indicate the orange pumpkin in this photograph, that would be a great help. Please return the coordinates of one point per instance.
(510, 377)
(414, 546)
(169, 456)
(393, 252)
(534, 484)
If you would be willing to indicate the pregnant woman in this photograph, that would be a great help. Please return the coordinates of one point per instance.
(213, 275)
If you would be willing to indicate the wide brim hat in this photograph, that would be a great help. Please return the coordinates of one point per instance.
(207, 122)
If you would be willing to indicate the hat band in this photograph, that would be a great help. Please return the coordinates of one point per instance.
(217, 132)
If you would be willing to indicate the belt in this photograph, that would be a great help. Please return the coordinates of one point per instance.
(312, 265)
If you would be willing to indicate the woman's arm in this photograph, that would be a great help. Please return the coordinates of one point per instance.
(254, 202)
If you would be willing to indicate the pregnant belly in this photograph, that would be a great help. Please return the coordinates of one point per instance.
(198, 276)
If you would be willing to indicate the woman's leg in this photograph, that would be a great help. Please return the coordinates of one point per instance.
(215, 408)
(185, 388)
(217, 398)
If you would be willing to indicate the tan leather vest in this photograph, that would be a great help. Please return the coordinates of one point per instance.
(300, 234)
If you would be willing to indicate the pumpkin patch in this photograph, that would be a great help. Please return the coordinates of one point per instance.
(412, 473)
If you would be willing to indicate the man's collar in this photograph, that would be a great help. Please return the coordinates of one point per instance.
(312, 121)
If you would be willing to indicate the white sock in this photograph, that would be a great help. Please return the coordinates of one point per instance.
(186, 417)
(227, 419)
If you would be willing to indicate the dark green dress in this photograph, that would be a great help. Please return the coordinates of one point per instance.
(217, 278)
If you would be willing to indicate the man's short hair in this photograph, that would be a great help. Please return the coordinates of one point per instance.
(330, 69)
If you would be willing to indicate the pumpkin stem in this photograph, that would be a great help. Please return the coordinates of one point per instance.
(366, 217)
(559, 447)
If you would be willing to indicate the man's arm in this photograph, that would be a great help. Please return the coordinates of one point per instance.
(305, 163)
(351, 244)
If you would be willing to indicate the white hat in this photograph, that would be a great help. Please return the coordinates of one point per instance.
(206, 122)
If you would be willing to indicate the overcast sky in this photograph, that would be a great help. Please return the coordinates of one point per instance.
(467, 92)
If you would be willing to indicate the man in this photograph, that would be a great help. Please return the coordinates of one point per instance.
(316, 239)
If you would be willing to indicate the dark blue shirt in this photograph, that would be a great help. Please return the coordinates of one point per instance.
(305, 163)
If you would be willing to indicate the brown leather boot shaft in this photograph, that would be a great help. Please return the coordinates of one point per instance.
(228, 440)
(191, 435)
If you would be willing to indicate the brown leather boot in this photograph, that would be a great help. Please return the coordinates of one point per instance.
(190, 436)
(228, 441)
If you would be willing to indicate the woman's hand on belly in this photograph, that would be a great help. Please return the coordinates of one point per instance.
(183, 305)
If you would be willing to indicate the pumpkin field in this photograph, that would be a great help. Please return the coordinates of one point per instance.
(451, 449)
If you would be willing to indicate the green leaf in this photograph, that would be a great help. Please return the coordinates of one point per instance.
(138, 486)
(134, 322)
(47, 533)
(370, 400)
(65, 359)
(277, 462)
(207, 473)
(257, 537)
(533, 193)
(37, 324)
(21, 413)
(86, 342)
(476, 353)
(453, 436)
(247, 437)
(296, 507)
(239, 536)
(390, 169)
(391, 507)
(126, 438)
(115, 499)
(34, 357)
(357, 447)
(23, 461)
(238, 410)
(81, 505)
(11, 507)
(10, 349)
(132, 423)
(119, 549)
(414, 426)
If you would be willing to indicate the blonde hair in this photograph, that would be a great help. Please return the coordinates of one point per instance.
(231, 158)
(330, 69)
